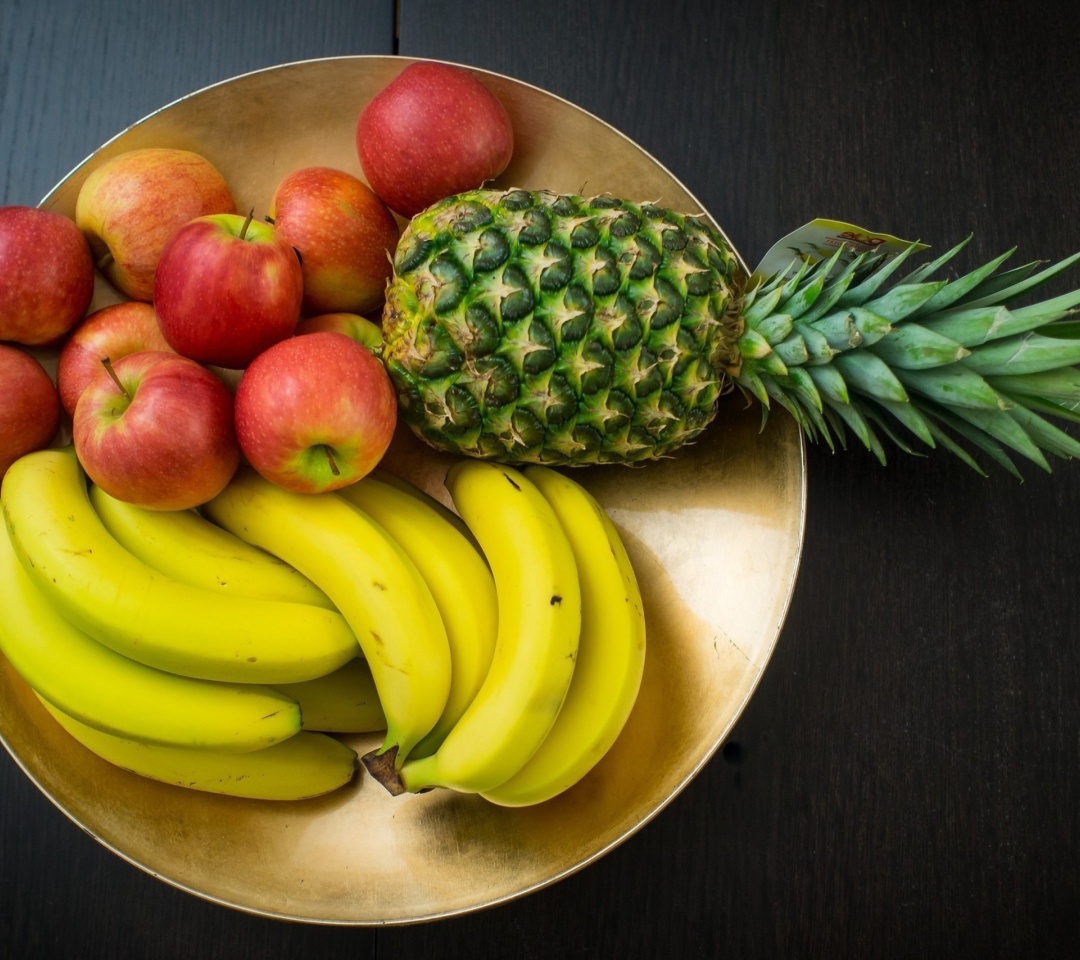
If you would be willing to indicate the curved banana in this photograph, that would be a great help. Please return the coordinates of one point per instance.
(539, 595)
(370, 580)
(393, 480)
(344, 701)
(186, 546)
(306, 765)
(611, 654)
(458, 577)
(121, 696)
(116, 598)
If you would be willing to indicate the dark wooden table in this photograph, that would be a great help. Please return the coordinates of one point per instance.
(906, 780)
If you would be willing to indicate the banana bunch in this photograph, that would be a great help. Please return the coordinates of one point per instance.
(498, 649)
(610, 657)
(370, 578)
(569, 650)
(208, 678)
(457, 575)
(186, 546)
(106, 591)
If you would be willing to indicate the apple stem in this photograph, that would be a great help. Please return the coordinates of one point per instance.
(107, 364)
(247, 223)
(105, 260)
(333, 463)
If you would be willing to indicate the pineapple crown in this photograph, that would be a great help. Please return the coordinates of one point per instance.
(943, 362)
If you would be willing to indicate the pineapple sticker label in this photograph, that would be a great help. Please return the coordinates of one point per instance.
(820, 240)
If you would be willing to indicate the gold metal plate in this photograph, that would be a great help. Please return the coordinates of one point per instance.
(714, 533)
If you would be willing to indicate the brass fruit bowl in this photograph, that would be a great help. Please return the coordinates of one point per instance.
(714, 534)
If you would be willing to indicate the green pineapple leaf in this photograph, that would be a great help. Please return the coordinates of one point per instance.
(952, 361)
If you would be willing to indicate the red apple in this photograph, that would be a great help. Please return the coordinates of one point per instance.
(345, 235)
(227, 287)
(48, 275)
(433, 131)
(357, 328)
(131, 205)
(161, 435)
(113, 332)
(30, 408)
(315, 413)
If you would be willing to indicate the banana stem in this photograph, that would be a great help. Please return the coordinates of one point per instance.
(382, 767)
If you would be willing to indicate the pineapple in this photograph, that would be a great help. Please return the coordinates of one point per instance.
(531, 327)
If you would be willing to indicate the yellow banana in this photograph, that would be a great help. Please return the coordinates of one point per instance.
(116, 598)
(393, 480)
(611, 654)
(458, 577)
(369, 578)
(186, 546)
(121, 696)
(539, 600)
(306, 765)
(344, 701)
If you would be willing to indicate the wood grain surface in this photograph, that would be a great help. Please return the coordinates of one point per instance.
(906, 780)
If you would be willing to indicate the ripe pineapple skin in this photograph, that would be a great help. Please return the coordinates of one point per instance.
(534, 327)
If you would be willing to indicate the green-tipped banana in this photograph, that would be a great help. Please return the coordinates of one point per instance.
(120, 696)
(186, 546)
(460, 582)
(304, 766)
(539, 597)
(116, 598)
(344, 701)
(611, 655)
(369, 578)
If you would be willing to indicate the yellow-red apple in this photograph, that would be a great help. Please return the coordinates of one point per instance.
(345, 235)
(315, 412)
(30, 411)
(158, 432)
(131, 205)
(227, 287)
(111, 332)
(48, 275)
